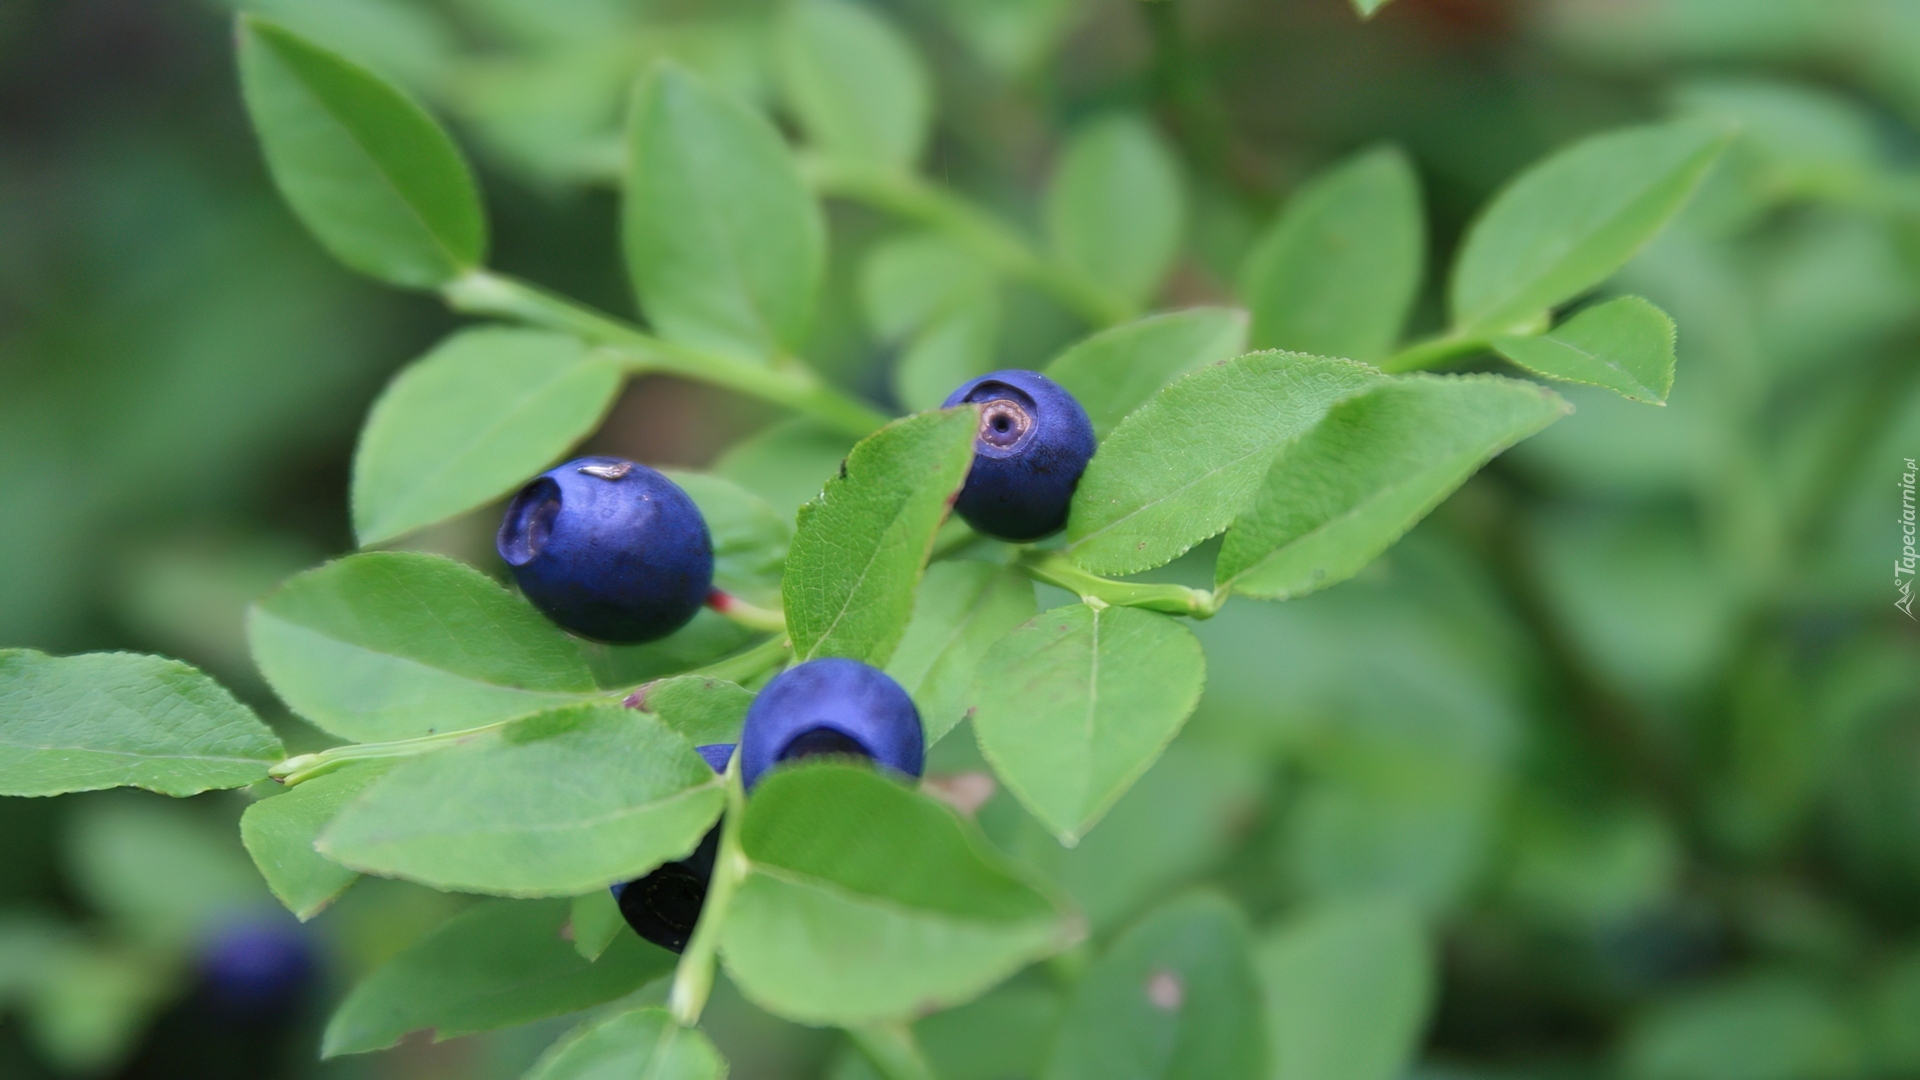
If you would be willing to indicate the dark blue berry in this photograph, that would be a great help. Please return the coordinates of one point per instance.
(664, 906)
(609, 550)
(831, 707)
(1034, 442)
(256, 965)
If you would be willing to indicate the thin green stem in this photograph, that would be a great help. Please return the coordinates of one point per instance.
(693, 979)
(891, 1049)
(298, 770)
(1433, 351)
(750, 664)
(1056, 569)
(752, 616)
(912, 197)
(794, 386)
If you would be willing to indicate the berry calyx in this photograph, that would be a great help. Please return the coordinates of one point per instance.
(831, 707)
(1033, 444)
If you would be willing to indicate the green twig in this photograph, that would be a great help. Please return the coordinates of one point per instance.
(794, 386)
(1056, 569)
(693, 979)
(892, 1051)
(300, 769)
(752, 616)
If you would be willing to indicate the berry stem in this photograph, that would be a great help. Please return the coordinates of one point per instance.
(892, 1051)
(794, 385)
(751, 616)
(693, 979)
(1056, 569)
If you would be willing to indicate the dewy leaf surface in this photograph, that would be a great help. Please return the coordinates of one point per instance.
(1116, 370)
(644, 1044)
(858, 87)
(1173, 998)
(859, 548)
(396, 645)
(1184, 465)
(724, 243)
(471, 421)
(1338, 271)
(550, 805)
(80, 723)
(369, 172)
(1117, 207)
(1367, 473)
(497, 964)
(964, 607)
(869, 901)
(1074, 705)
(1625, 345)
(280, 831)
(1347, 991)
(1568, 223)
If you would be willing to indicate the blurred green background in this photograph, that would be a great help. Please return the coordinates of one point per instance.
(1632, 723)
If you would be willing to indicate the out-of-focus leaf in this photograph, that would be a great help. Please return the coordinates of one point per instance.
(370, 173)
(1347, 991)
(470, 422)
(407, 43)
(1007, 1033)
(724, 243)
(88, 1015)
(855, 82)
(905, 281)
(1795, 140)
(1369, 8)
(1117, 207)
(644, 1043)
(1625, 345)
(396, 645)
(80, 723)
(497, 964)
(1075, 704)
(859, 548)
(552, 804)
(167, 874)
(1759, 1028)
(279, 833)
(1337, 272)
(749, 536)
(868, 901)
(1118, 369)
(963, 608)
(787, 464)
(954, 346)
(594, 922)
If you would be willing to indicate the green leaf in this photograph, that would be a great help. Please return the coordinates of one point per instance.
(787, 464)
(907, 280)
(1753, 1026)
(1339, 269)
(855, 82)
(869, 901)
(725, 244)
(1348, 988)
(705, 710)
(1175, 997)
(1116, 207)
(554, 804)
(964, 607)
(497, 964)
(1118, 369)
(396, 645)
(750, 537)
(280, 832)
(1075, 704)
(1625, 345)
(1369, 8)
(370, 173)
(955, 346)
(1185, 464)
(80, 723)
(470, 422)
(594, 922)
(1568, 223)
(165, 873)
(858, 549)
(644, 1044)
(1367, 473)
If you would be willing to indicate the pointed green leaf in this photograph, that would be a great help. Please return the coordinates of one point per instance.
(470, 422)
(1339, 269)
(1625, 345)
(907, 280)
(749, 536)
(1117, 207)
(868, 901)
(704, 710)
(645, 1044)
(1370, 471)
(855, 82)
(859, 548)
(1184, 465)
(396, 645)
(1173, 998)
(594, 922)
(80, 723)
(497, 964)
(954, 346)
(724, 243)
(1347, 991)
(279, 833)
(1565, 225)
(964, 607)
(1074, 705)
(370, 173)
(1118, 369)
(554, 804)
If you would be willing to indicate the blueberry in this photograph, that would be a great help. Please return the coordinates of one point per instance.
(664, 906)
(1034, 442)
(256, 965)
(609, 550)
(831, 707)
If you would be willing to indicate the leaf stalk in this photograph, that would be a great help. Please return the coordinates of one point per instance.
(693, 979)
(1056, 569)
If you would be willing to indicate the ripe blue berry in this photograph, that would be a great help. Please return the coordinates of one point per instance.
(831, 707)
(256, 965)
(1034, 442)
(609, 550)
(664, 906)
